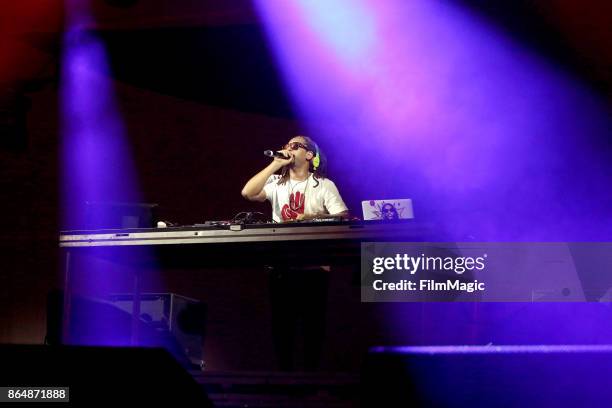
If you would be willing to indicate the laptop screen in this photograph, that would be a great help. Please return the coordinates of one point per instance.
(387, 210)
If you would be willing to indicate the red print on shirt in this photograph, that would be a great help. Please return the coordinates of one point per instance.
(294, 208)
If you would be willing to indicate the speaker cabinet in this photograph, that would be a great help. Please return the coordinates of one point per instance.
(184, 318)
(167, 320)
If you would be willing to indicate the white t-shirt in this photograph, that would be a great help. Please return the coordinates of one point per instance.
(302, 197)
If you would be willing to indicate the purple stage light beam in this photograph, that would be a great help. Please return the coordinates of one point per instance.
(478, 129)
(97, 167)
(97, 162)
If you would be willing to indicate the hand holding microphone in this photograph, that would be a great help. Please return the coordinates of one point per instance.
(281, 157)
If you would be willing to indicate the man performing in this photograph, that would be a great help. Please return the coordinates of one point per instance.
(298, 293)
(301, 191)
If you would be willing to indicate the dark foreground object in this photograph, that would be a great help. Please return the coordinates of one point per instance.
(102, 374)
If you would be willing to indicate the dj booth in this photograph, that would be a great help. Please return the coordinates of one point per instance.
(225, 244)
(179, 244)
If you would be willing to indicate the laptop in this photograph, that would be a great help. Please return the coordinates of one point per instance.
(387, 210)
(117, 215)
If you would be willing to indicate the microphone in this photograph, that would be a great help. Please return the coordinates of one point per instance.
(272, 153)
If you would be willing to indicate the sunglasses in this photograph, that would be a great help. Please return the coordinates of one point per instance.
(294, 146)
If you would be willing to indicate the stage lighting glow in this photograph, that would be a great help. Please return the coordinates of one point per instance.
(96, 167)
(474, 126)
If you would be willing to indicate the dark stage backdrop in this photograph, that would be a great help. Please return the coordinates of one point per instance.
(199, 106)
